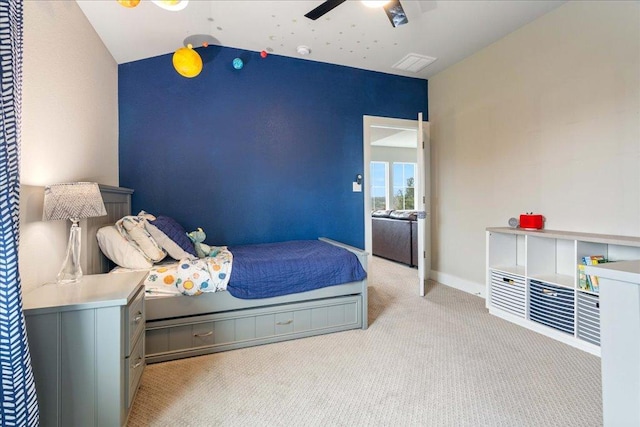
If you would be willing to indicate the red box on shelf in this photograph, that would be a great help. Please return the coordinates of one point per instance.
(531, 221)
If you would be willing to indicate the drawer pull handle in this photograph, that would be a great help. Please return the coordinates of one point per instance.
(549, 293)
(287, 322)
(138, 363)
(207, 334)
(509, 281)
(138, 317)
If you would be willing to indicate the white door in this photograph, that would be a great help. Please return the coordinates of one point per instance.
(422, 204)
(421, 158)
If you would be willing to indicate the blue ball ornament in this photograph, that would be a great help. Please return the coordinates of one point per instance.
(238, 64)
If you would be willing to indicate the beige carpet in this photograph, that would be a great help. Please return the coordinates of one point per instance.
(441, 360)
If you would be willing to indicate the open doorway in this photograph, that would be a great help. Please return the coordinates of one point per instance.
(396, 178)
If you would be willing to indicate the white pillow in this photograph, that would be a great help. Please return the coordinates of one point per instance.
(118, 249)
(172, 248)
(133, 227)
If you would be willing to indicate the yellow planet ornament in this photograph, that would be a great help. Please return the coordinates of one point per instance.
(129, 3)
(187, 62)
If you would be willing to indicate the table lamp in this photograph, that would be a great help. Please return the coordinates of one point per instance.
(72, 201)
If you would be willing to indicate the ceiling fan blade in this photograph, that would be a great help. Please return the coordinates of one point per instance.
(395, 13)
(324, 8)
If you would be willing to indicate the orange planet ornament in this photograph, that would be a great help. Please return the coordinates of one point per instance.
(187, 62)
(129, 3)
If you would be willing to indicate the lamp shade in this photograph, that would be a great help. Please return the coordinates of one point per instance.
(74, 200)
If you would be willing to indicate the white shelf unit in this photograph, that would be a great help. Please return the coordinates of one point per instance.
(533, 280)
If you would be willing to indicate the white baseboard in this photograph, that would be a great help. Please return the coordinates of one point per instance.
(464, 285)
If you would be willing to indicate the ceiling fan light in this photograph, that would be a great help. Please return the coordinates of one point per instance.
(171, 5)
(375, 3)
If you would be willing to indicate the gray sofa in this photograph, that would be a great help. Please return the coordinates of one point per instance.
(394, 235)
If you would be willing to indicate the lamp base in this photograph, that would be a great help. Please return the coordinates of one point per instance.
(71, 271)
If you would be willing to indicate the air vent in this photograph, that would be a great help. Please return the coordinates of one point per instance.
(413, 63)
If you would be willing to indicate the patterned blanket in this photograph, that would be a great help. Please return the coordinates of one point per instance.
(192, 276)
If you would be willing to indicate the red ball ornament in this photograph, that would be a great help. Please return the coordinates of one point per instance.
(263, 54)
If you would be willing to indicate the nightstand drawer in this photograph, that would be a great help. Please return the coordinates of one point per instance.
(134, 321)
(134, 371)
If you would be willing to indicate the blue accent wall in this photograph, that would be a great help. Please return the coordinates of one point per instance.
(262, 154)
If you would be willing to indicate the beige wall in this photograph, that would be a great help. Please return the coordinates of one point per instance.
(69, 124)
(545, 120)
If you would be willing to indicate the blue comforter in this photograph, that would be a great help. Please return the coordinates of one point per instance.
(274, 269)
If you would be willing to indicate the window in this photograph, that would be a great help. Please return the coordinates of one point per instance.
(379, 185)
(404, 185)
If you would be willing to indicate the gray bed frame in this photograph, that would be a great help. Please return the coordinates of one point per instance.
(182, 326)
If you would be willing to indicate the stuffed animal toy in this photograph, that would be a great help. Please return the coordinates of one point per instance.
(202, 249)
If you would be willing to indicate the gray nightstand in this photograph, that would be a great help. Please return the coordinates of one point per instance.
(87, 348)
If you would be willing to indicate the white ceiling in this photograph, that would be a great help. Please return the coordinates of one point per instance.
(351, 34)
(393, 137)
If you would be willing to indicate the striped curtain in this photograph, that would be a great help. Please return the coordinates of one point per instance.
(19, 403)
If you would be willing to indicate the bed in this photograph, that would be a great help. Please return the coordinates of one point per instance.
(178, 326)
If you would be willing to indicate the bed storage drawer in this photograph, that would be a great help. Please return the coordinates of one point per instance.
(552, 306)
(196, 335)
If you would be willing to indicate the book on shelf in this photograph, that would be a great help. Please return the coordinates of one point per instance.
(590, 280)
(582, 278)
(594, 259)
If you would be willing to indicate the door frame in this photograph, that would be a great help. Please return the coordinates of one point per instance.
(367, 123)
